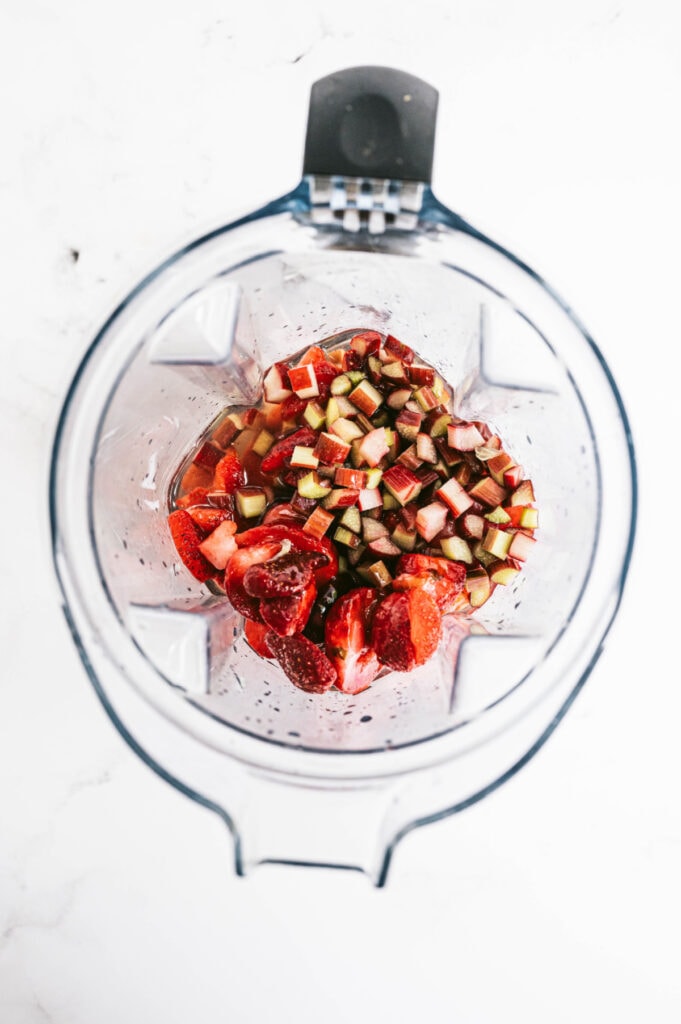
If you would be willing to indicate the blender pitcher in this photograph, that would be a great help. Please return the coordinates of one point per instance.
(361, 243)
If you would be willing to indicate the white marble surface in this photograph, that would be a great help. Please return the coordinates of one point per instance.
(127, 128)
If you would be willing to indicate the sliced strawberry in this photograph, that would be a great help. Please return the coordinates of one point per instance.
(207, 517)
(229, 473)
(197, 496)
(306, 666)
(439, 577)
(282, 451)
(237, 567)
(288, 574)
(284, 514)
(300, 541)
(347, 631)
(288, 615)
(406, 629)
(257, 636)
(187, 538)
(292, 407)
(219, 546)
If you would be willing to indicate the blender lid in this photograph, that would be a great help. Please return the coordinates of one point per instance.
(360, 243)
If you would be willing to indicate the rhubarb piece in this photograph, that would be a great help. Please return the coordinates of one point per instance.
(523, 494)
(402, 484)
(426, 398)
(399, 350)
(275, 384)
(374, 446)
(483, 556)
(498, 516)
(346, 430)
(463, 474)
(304, 457)
(409, 458)
(427, 475)
(225, 432)
(284, 575)
(341, 497)
(524, 516)
(430, 520)
(219, 545)
(447, 454)
(369, 498)
(455, 497)
(497, 542)
(355, 478)
(457, 549)
(208, 455)
(488, 492)
(436, 423)
(187, 539)
(304, 381)
(346, 537)
(395, 373)
(351, 519)
(288, 615)
(512, 477)
(263, 442)
(464, 437)
(504, 572)
(440, 390)
(355, 376)
(385, 547)
(521, 546)
(314, 415)
(425, 448)
(398, 398)
(229, 472)
(354, 555)
(366, 343)
(389, 502)
(373, 477)
(251, 502)
(376, 574)
(372, 529)
(310, 486)
(420, 374)
(406, 629)
(403, 537)
(408, 424)
(478, 587)
(498, 465)
(282, 451)
(472, 525)
(330, 449)
(318, 523)
(341, 385)
(256, 636)
(485, 452)
(347, 639)
(366, 398)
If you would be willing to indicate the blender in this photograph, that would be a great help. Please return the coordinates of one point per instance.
(360, 243)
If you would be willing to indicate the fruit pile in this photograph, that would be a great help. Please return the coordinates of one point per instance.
(350, 512)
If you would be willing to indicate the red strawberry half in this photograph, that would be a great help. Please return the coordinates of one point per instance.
(299, 541)
(283, 576)
(282, 451)
(288, 615)
(229, 472)
(237, 567)
(406, 629)
(347, 639)
(306, 666)
(442, 579)
(256, 634)
(187, 538)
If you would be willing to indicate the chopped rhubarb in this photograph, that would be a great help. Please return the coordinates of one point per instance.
(488, 492)
(369, 498)
(366, 343)
(341, 497)
(250, 501)
(455, 497)
(355, 478)
(497, 542)
(426, 398)
(398, 398)
(402, 483)
(304, 457)
(524, 516)
(276, 384)
(304, 381)
(398, 349)
(366, 398)
(430, 519)
(425, 448)
(374, 446)
(464, 437)
(318, 523)
(523, 494)
(408, 424)
(521, 546)
(457, 549)
(331, 449)
(346, 430)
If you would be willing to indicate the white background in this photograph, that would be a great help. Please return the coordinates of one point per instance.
(127, 128)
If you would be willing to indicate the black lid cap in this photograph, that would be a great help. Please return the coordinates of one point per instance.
(371, 122)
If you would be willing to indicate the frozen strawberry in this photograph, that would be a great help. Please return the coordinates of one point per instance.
(292, 407)
(305, 665)
(207, 518)
(439, 577)
(229, 472)
(238, 566)
(298, 540)
(325, 373)
(288, 615)
(284, 514)
(257, 636)
(187, 538)
(219, 546)
(197, 496)
(282, 450)
(288, 574)
(346, 635)
(406, 629)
